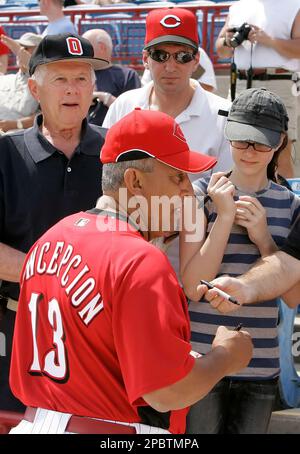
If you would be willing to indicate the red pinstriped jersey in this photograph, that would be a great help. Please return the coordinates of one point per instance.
(101, 321)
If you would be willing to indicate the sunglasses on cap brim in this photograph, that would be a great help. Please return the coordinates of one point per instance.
(182, 56)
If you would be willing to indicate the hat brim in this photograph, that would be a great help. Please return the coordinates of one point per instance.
(250, 133)
(171, 39)
(27, 43)
(189, 161)
(96, 63)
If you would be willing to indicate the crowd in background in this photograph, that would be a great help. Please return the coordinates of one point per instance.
(249, 209)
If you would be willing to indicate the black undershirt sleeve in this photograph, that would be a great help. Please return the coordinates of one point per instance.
(292, 244)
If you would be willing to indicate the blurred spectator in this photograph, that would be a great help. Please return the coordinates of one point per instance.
(17, 105)
(58, 22)
(111, 81)
(266, 55)
(4, 51)
(207, 78)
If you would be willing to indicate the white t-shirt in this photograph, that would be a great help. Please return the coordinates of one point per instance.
(276, 18)
(208, 77)
(202, 126)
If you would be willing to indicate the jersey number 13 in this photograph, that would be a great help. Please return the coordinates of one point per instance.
(55, 363)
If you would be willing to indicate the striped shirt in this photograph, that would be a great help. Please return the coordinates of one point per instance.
(260, 320)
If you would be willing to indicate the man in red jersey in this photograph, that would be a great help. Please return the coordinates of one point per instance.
(101, 311)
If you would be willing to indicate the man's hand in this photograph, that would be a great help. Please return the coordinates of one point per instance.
(237, 344)
(257, 35)
(234, 287)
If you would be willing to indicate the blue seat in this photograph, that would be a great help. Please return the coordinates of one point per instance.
(133, 38)
(289, 382)
(295, 186)
(16, 30)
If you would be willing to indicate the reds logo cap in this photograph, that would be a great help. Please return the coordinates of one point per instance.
(171, 25)
(64, 47)
(152, 134)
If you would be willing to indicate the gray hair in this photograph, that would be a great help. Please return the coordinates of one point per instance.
(113, 174)
(40, 72)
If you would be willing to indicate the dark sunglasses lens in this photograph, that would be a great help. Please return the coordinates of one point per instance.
(159, 55)
(184, 57)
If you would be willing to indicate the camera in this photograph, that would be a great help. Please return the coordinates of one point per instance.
(240, 34)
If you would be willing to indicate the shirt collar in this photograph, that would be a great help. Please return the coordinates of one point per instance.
(195, 108)
(40, 148)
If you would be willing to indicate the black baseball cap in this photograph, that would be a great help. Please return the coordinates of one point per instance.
(65, 46)
(257, 115)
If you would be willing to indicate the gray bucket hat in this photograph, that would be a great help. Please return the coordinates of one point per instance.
(257, 115)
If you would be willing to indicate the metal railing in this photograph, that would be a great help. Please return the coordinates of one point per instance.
(125, 24)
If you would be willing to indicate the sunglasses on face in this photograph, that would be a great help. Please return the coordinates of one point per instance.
(161, 56)
(243, 145)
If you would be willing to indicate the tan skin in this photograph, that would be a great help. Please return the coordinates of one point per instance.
(231, 350)
(172, 90)
(64, 96)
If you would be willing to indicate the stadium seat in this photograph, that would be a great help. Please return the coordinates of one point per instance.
(133, 38)
(18, 29)
(8, 420)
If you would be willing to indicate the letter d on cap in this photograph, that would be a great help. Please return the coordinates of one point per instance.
(74, 46)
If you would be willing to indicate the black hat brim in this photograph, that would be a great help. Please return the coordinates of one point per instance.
(235, 131)
(171, 39)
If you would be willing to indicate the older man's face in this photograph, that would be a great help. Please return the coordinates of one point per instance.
(163, 189)
(64, 93)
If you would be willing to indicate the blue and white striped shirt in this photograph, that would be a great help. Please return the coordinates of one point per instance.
(260, 320)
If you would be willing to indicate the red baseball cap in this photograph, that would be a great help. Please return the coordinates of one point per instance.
(152, 134)
(171, 25)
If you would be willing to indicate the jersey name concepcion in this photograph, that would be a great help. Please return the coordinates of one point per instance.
(61, 260)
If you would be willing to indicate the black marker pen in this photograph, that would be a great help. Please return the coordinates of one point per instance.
(221, 292)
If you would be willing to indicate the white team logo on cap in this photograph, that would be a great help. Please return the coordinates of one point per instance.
(170, 24)
(74, 46)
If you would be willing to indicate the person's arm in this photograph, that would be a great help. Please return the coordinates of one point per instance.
(231, 352)
(271, 277)
(252, 216)
(289, 48)
(106, 98)
(9, 125)
(201, 259)
(223, 48)
(11, 262)
(3, 63)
